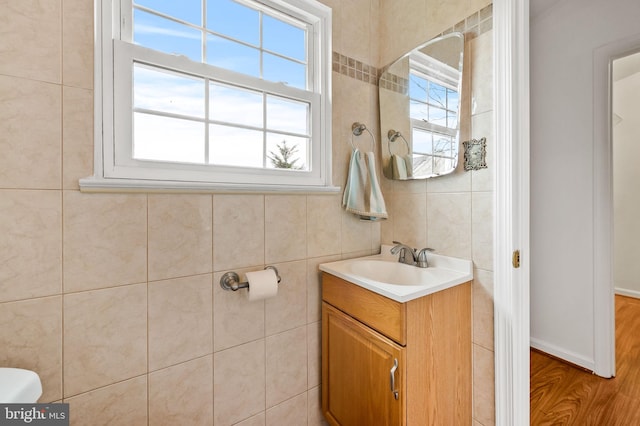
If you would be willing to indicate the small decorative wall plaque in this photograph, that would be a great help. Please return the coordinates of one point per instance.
(475, 154)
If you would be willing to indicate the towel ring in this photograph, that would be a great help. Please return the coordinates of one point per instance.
(393, 135)
(357, 129)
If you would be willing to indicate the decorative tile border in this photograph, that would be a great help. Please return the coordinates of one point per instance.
(355, 69)
(475, 24)
(472, 26)
(394, 83)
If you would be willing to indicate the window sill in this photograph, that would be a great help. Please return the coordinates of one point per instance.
(98, 184)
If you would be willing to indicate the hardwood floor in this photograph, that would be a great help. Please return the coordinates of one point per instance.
(562, 394)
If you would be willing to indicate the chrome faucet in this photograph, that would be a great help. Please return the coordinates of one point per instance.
(418, 259)
(421, 261)
(403, 249)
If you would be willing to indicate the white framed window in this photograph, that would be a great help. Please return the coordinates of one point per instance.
(213, 95)
(434, 106)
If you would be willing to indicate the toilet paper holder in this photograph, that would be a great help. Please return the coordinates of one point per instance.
(231, 280)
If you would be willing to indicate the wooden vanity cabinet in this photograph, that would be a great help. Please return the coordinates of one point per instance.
(365, 334)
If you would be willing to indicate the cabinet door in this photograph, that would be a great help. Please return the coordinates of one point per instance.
(358, 373)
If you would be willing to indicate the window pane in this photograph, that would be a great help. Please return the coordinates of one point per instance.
(287, 115)
(287, 152)
(233, 20)
(235, 105)
(233, 56)
(422, 165)
(437, 95)
(452, 120)
(232, 146)
(180, 94)
(452, 100)
(437, 116)
(186, 10)
(166, 36)
(418, 110)
(284, 71)
(283, 38)
(418, 88)
(422, 142)
(442, 165)
(167, 139)
(442, 145)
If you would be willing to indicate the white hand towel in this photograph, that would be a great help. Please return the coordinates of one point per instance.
(362, 194)
(408, 162)
(398, 167)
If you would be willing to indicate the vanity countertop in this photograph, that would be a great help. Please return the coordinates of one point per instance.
(383, 274)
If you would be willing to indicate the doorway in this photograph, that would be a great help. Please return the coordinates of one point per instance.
(604, 253)
(625, 129)
(554, 382)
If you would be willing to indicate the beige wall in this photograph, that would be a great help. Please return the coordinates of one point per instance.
(454, 214)
(114, 298)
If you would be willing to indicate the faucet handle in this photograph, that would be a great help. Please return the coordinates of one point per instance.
(421, 261)
(403, 249)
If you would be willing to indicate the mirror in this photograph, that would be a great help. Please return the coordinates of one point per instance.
(420, 110)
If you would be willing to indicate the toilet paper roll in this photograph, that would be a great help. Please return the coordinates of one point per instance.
(262, 284)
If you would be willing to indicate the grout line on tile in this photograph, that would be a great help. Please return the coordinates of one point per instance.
(62, 287)
(306, 229)
(213, 316)
(148, 345)
(102, 288)
(106, 386)
(213, 243)
(62, 112)
(179, 277)
(264, 343)
(61, 63)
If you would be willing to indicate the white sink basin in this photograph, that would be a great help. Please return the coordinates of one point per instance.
(383, 274)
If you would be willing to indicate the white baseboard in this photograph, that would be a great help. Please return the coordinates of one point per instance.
(558, 352)
(628, 293)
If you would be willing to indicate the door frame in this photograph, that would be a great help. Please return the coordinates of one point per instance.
(511, 207)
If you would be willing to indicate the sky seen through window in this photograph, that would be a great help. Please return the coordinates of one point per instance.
(184, 118)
